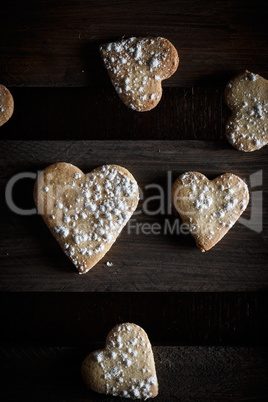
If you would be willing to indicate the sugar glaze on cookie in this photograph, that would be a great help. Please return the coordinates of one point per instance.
(209, 207)
(247, 96)
(86, 213)
(125, 367)
(137, 66)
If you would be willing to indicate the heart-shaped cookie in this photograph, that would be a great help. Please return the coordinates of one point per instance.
(247, 96)
(125, 367)
(137, 66)
(85, 212)
(6, 105)
(209, 207)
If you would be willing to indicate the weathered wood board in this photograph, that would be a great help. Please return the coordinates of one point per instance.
(55, 43)
(143, 260)
(184, 373)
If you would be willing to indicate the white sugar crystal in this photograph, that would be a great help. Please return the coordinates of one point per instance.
(113, 355)
(119, 341)
(252, 77)
(133, 341)
(128, 362)
(154, 62)
(98, 356)
(87, 194)
(62, 231)
(136, 393)
(99, 249)
(138, 52)
(152, 380)
(90, 206)
(115, 372)
(66, 219)
(80, 238)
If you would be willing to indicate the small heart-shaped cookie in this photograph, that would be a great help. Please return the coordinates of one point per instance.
(85, 212)
(137, 66)
(125, 367)
(209, 207)
(6, 105)
(247, 96)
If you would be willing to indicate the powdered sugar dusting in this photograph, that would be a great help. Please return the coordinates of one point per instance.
(123, 366)
(90, 211)
(247, 129)
(135, 65)
(209, 208)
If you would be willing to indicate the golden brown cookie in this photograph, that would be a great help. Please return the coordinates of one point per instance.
(247, 97)
(85, 212)
(209, 207)
(125, 367)
(137, 66)
(6, 105)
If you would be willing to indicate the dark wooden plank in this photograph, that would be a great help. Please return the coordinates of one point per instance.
(55, 43)
(32, 261)
(184, 373)
(99, 114)
(214, 318)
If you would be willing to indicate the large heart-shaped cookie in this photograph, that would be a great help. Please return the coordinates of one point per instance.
(209, 207)
(247, 96)
(125, 367)
(86, 212)
(137, 66)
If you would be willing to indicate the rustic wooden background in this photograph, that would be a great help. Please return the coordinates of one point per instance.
(185, 373)
(142, 261)
(45, 43)
(50, 61)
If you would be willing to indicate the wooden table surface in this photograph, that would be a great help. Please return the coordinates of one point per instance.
(46, 43)
(206, 314)
(185, 373)
(143, 260)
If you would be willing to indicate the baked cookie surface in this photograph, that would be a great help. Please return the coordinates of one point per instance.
(85, 212)
(209, 207)
(6, 105)
(137, 66)
(247, 97)
(125, 367)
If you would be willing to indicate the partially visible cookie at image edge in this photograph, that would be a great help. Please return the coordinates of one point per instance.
(247, 97)
(6, 105)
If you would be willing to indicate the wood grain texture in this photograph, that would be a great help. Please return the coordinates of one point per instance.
(32, 261)
(184, 373)
(55, 43)
(99, 114)
(170, 318)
